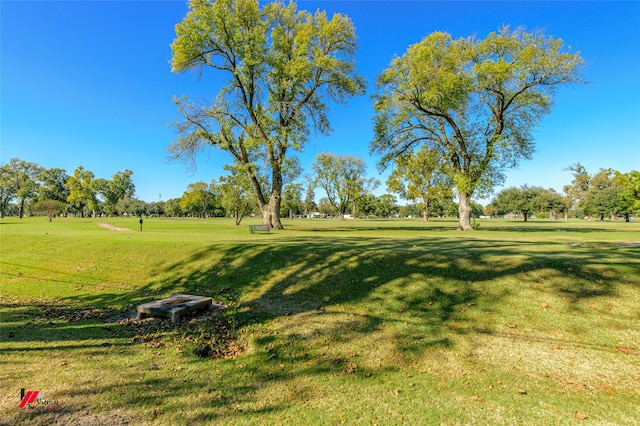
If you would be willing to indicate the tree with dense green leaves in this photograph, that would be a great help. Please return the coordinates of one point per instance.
(19, 180)
(156, 208)
(576, 192)
(52, 185)
(630, 195)
(325, 207)
(172, 208)
(603, 202)
(115, 190)
(343, 178)
(309, 202)
(7, 188)
(517, 200)
(366, 205)
(551, 203)
(49, 207)
(410, 210)
(528, 200)
(292, 199)
(200, 199)
(386, 205)
(475, 101)
(421, 176)
(134, 207)
(82, 190)
(612, 193)
(282, 63)
(477, 209)
(234, 189)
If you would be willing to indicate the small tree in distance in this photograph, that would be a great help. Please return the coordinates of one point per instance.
(49, 207)
(343, 179)
(234, 188)
(421, 176)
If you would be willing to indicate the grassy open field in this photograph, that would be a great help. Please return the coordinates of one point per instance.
(365, 322)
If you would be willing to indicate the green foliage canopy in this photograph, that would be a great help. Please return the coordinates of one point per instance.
(421, 176)
(476, 101)
(343, 178)
(281, 64)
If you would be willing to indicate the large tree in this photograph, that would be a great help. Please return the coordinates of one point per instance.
(281, 63)
(476, 101)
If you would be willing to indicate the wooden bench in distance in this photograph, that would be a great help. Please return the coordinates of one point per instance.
(259, 228)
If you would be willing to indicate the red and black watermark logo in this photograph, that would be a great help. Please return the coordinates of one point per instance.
(34, 400)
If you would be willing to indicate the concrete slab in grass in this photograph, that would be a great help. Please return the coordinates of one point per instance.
(175, 307)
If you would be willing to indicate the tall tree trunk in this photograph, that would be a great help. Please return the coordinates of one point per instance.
(425, 209)
(464, 210)
(271, 211)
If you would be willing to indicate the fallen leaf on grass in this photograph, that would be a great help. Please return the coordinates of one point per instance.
(627, 350)
(351, 368)
(544, 305)
(603, 387)
(581, 416)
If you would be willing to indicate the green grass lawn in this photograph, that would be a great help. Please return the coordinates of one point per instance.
(357, 322)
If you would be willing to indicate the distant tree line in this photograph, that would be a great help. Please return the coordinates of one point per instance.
(605, 194)
(29, 189)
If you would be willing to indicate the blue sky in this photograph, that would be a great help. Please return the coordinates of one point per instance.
(88, 83)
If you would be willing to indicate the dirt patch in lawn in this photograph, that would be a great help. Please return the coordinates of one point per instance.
(630, 244)
(111, 227)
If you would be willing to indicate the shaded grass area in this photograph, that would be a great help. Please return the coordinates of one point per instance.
(363, 322)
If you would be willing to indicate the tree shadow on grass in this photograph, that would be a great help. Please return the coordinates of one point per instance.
(318, 296)
(286, 278)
